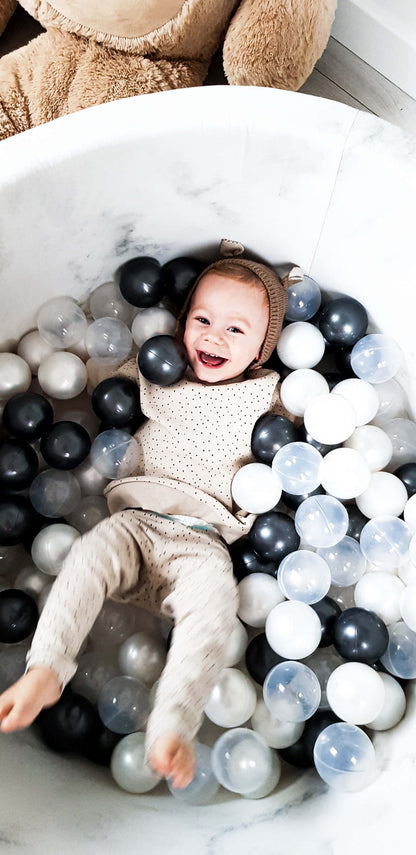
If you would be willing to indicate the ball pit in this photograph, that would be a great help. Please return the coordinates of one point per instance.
(322, 273)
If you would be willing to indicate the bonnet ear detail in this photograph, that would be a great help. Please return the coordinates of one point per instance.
(294, 275)
(231, 248)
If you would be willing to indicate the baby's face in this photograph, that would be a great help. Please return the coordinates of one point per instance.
(225, 328)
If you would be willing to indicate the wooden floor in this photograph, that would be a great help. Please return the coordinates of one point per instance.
(339, 75)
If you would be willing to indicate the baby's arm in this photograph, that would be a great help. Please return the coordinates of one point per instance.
(19, 705)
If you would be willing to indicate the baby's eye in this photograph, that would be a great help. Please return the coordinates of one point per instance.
(235, 330)
(202, 320)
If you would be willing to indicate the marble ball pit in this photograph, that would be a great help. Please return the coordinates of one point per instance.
(86, 229)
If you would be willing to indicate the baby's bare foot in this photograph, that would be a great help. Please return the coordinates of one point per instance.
(173, 757)
(20, 704)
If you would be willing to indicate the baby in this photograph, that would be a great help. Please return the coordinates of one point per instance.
(164, 545)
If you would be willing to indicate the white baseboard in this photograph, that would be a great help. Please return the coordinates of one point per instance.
(383, 34)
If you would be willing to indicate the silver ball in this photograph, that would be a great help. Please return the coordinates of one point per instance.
(92, 483)
(62, 375)
(128, 766)
(51, 546)
(33, 349)
(142, 656)
(15, 375)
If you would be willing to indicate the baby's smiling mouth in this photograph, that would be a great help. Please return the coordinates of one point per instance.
(210, 359)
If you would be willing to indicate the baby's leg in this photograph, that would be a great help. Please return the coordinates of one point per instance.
(103, 561)
(203, 601)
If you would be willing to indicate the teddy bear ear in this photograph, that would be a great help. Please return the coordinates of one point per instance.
(231, 248)
(294, 274)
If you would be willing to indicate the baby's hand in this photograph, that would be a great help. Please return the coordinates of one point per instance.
(20, 704)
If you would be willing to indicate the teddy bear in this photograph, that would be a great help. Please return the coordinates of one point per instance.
(93, 51)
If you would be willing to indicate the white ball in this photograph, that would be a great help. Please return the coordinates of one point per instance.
(373, 444)
(407, 572)
(33, 349)
(232, 700)
(236, 645)
(329, 419)
(299, 387)
(394, 705)
(408, 606)
(62, 375)
(361, 395)
(256, 488)
(409, 512)
(355, 692)
(259, 593)
(385, 494)
(344, 473)
(51, 546)
(301, 345)
(151, 322)
(15, 375)
(380, 592)
(293, 629)
(277, 733)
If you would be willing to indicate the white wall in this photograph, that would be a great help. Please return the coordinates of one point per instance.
(382, 33)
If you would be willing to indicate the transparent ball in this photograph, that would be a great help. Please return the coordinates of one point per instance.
(344, 757)
(374, 445)
(402, 433)
(232, 700)
(62, 375)
(299, 387)
(278, 733)
(323, 662)
(115, 454)
(394, 706)
(142, 656)
(256, 488)
(258, 593)
(114, 624)
(88, 513)
(31, 580)
(321, 521)
(291, 691)
(303, 575)
(61, 322)
(95, 669)
(54, 493)
(329, 419)
(108, 340)
(128, 766)
(204, 785)
(376, 358)
(362, 397)
(301, 345)
(385, 494)
(303, 299)
(355, 692)
(15, 375)
(344, 473)
(298, 466)
(392, 402)
(345, 561)
(400, 656)
(293, 629)
(92, 483)
(241, 760)
(51, 546)
(123, 704)
(380, 592)
(106, 301)
(385, 541)
(151, 322)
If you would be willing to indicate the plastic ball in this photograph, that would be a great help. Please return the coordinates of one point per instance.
(204, 785)
(392, 401)
(329, 418)
(356, 522)
(400, 656)
(303, 575)
(17, 520)
(33, 348)
(270, 433)
(108, 340)
(409, 513)
(376, 358)
(106, 301)
(114, 624)
(15, 375)
(123, 704)
(362, 396)
(142, 656)
(241, 760)
(51, 546)
(27, 416)
(343, 321)
(385, 541)
(232, 700)
(300, 345)
(152, 322)
(291, 691)
(67, 725)
(142, 281)
(345, 561)
(407, 474)
(360, 635)
(344, 757)
(162, 360)
(94, 670)
(293, 501)
(18, 464)
(298, 466)
(258, 594)
(62, 375)
(299, 387)
(116, 401)
(54, 493)
(180, 274)
(321, 521)
(30, 580)
(88, 513)
(115, 454)
(303, 299)
(260, 658)
(273, 536)
(394, 705)
(18, 616)
(278, 733)
(385, 494)
(236, 646)
(355, 692)
(327, 610)
(246, 560)
(129, 768)
(345, 474)
(373, 444)
(380, 592)
(323, 663)
(101, 743)
(65, 445)
(322, 447)
(402, 433)
(91, 482)
(293, 629)
(61, 322)
(256, 488)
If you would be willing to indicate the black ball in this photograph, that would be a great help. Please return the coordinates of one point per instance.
(260, 658)
(343, 321)
(275, 363)
(68, 725)
(18, 464)
(270, 433)
(327, 610)
(407, 474)
(273, 536)
(142, 281)
(18, 616)
(314, 727)
(360, 635)
(100, 743)
(18, 520)
(292, 500)
(332, 378)
(181, 273)
(65, 445)
(304, 436)
(356, 522)
(245, 560)
(342, 358)
(27, 416)
(297, 755)
(162, 360)
(117, 402)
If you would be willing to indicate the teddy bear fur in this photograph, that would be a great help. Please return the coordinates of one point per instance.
(84, 58)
